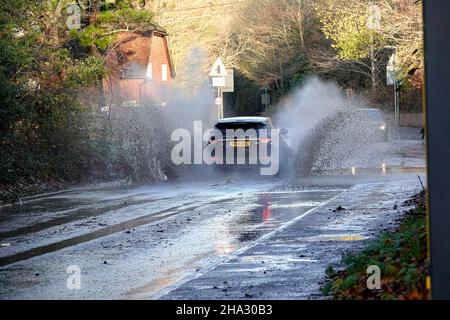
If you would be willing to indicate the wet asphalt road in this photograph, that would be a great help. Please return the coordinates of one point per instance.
(146, 242)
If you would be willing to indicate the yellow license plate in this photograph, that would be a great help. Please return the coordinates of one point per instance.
(239, 144)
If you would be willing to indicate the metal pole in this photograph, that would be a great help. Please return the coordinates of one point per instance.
(217, 105)
(396, 102)
(372, 60)
(221, 102)
(437, 133)
(397, 99)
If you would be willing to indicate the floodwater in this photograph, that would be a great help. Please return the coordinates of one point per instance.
(175, 241)
(143, 242)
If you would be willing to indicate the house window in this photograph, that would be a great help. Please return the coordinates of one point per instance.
(164, 72)
(149, 74)
(133, 71)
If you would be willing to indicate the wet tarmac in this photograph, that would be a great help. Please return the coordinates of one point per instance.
(149, 241)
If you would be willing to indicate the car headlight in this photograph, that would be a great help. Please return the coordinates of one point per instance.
(383, 127)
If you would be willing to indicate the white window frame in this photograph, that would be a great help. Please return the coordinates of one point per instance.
(164, 72)
(149, 74)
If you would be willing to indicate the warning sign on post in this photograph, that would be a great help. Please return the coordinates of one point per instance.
(218, 69)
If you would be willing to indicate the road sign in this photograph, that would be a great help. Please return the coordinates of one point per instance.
(218, 73)
(218, 81)
(229, 81)
(390, 76)
(391, 80)
(105, 109)
(218, 69)
(391, 71)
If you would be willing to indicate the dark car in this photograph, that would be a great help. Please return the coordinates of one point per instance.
(244, 149)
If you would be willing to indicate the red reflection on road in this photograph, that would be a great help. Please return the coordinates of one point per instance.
(267, 211)
(266, 214)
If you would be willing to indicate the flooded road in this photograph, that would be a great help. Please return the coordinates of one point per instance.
(161, 247)
(141, 243)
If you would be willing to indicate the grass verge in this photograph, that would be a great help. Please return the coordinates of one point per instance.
(401, 256)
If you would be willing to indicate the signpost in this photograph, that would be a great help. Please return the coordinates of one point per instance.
(223, 80)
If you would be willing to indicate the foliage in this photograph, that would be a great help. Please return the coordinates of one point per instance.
(92, 35)
(124, 14)
(276, 43)
(48, 133)
(87, 72)
(346, 25)
(115, 16)
(401, 256)
(270, 44)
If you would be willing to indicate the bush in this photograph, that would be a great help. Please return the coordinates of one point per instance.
(402, 258)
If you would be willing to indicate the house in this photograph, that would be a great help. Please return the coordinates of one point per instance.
(141, 69)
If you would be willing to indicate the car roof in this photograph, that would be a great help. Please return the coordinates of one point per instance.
(244, 119)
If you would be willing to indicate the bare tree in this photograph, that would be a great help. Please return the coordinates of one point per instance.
(268, 40)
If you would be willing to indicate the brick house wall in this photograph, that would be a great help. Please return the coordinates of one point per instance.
(141, 69)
